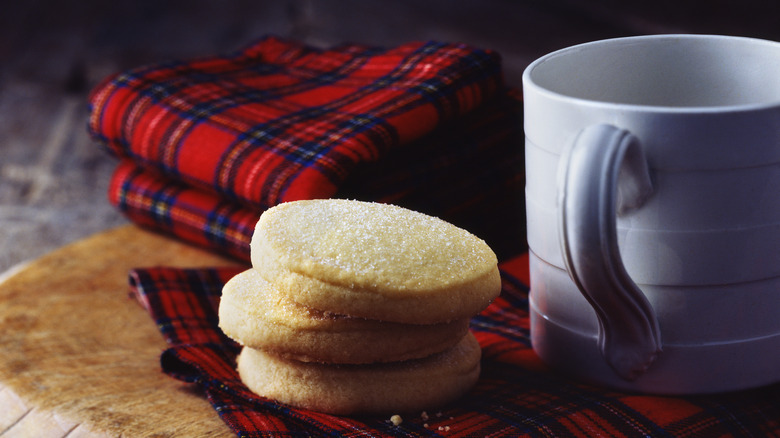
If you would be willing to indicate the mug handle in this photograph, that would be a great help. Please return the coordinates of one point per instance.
(604, 173)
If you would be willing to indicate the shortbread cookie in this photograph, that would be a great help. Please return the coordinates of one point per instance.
(254, 314)
(387, 388)
(373, 260)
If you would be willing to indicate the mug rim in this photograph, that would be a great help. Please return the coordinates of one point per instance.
(528, 82)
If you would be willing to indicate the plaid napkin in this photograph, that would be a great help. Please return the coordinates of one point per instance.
(206, 145)
(515, 396)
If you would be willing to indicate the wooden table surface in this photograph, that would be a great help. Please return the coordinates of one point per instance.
(53, 178)
(81, 358)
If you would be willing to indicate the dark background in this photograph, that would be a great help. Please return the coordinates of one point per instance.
(53, 179)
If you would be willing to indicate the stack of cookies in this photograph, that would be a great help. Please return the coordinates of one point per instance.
(355, 307)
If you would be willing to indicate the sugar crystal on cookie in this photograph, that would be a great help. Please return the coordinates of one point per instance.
(359, 307)
(353, 255)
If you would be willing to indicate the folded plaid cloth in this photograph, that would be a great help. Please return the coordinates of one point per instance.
(210, 143)
(515, 396)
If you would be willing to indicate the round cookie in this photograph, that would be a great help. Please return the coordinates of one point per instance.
(373, 260)
(254, 314)
(387, 388)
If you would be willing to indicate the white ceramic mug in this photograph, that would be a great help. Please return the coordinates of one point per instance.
(653, 203)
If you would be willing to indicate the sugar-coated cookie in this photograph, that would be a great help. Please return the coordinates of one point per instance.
(375, 261)
(254, 314)
(386, 388)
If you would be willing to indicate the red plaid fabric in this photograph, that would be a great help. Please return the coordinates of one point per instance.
(197, 216)
(429, 126)
(516, 395)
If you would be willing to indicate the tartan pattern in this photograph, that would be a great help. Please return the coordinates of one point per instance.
(268, 113)
(516, 395)
(196, 216)
(469, 174)
(426, 125)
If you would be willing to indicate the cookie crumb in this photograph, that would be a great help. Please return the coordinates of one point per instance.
(396, 420)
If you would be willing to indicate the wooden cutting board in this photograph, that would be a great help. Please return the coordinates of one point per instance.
(78, 357)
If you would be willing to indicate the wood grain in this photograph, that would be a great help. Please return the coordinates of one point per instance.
(81, 358)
